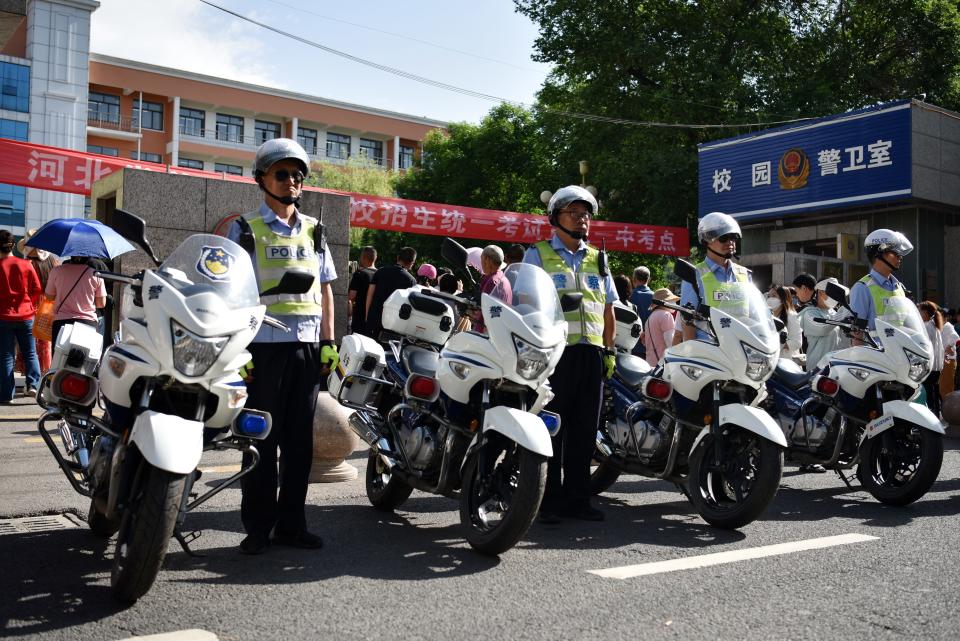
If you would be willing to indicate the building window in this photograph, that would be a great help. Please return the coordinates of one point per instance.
(103, 107)
(372, 149)
(338, 146)
(13, 129)
(106, 151)
(189, 163)
(307, 139)
(152, 115)
(146, 156)
(264, 131)
(229, 128)
(406, 157)
(14, 87)
(236, 170)
(191, 121)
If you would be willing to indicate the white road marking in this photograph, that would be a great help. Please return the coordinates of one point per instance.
(195, 634)
(719, 558)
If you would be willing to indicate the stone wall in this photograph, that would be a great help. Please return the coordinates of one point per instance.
(176, 206)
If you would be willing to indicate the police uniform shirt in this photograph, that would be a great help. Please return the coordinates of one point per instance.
(724, 274)
(861, 302)
(304, 329)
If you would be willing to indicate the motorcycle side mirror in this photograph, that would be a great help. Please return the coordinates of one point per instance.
(571, 301)
(837, 293)
(134, 229)
(291, 283)
(685, 271)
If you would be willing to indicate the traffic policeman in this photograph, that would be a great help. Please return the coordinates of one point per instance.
(718, 234)
(588, 357)
(885, 250)
(286, 366)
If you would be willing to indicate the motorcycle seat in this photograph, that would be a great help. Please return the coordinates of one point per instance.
(790, 375)
(632, 369)
(421, 361)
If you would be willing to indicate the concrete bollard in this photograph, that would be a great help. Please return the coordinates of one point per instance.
(950, 410)
(333, 441)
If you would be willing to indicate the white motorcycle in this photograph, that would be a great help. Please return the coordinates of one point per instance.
(856, 410)
(694, 419)
(170, 389)
(460, 414)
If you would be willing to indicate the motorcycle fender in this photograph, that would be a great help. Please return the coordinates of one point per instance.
(168, 442)
(525, 429)
(919, 415)
(749, 418)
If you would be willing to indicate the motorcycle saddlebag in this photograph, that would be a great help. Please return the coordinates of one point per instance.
(359, 355)
(417, 315)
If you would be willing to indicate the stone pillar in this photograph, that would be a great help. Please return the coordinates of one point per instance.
(333, 441)
(950, 410)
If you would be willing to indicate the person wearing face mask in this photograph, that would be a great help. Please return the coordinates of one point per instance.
(718, 234)
(780, 302)
(821, 339)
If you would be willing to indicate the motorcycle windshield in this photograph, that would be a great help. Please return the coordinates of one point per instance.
(900, 312)
(530, 292)
(744, 302)
(214, 264)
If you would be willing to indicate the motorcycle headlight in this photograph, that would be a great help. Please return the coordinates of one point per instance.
(919, 365)
(759, 363)
(192, 354)
(531, 361)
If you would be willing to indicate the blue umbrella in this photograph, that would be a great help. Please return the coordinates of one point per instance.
(79, 237)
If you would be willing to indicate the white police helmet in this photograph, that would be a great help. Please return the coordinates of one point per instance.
(278, 149)
(567, 195)
(717, 224)
(882, 240)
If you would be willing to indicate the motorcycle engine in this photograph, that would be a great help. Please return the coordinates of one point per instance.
(648, 435)
(811, 429)
(419, 441)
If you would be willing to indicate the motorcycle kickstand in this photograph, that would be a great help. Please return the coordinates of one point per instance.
(845, 479)
(186, 539)
(684, 491)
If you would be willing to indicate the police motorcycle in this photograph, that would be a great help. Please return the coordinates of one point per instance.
(694, 420)
(460, 415)
(855, 411)
(170, 391)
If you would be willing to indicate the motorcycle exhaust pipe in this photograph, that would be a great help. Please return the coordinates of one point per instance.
(364, 428)
(603, 445)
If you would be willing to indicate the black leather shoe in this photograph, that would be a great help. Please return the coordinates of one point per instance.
(303, 540)
(584, 513)
(548, 517)
(254, 544)
(813, 468)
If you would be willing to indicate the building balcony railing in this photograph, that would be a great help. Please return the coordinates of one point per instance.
(115, 123)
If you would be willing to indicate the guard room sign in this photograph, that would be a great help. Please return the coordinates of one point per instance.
(843, 160)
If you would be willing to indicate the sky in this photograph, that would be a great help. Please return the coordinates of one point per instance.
(483, 46)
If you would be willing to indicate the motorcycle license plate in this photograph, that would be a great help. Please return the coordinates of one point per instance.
(878, 425)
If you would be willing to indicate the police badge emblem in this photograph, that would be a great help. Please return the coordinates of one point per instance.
(793, 169)
(215, 263)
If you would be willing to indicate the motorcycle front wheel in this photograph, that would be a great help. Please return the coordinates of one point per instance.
(503, 485)
(745, 483)
(385, 491)
(145, 530)
(899, 465)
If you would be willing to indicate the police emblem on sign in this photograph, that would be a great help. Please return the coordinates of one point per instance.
(793, 169)
(215, 263)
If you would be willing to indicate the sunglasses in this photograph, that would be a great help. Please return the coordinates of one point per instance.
(282, 175)
(726, 238)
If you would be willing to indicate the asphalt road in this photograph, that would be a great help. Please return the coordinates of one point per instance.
(411, 575)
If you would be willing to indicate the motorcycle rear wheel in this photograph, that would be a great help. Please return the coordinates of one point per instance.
(736, 495)
(385, 491)
(900, 465)
(145, 530)
(602, 476)
(499, 503)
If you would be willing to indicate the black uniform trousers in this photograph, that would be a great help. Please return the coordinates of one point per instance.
(286, 379)
(577, 384)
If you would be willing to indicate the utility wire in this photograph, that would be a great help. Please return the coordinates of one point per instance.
(485, 96)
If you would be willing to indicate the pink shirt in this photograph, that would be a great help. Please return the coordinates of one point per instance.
(80, 303)
(654, 340)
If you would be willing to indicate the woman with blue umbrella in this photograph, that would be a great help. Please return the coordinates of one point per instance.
(76, 289)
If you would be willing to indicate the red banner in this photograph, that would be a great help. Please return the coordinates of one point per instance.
(52, 168)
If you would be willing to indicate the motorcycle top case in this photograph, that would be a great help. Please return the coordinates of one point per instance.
(417, 315)
(361, 355)
(77, 348)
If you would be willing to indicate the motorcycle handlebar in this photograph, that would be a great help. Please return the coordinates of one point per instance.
(273, 322)
(120, 278)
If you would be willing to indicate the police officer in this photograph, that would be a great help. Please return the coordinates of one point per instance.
(885, 250)
(587, 359)
(286, 366)
(718, 234)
